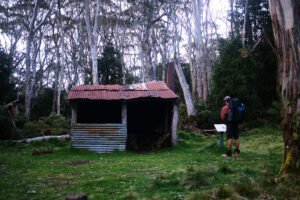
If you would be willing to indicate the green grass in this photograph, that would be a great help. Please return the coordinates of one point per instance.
(194, 169)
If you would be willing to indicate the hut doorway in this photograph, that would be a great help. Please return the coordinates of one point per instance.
(148, 124)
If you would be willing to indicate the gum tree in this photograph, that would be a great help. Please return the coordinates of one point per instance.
(285, 16)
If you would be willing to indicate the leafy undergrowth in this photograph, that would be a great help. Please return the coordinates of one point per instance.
(194, 169)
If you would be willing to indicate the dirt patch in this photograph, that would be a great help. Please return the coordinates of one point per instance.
(59, 181)
(78, 162)
(58, 185)
(38, 152)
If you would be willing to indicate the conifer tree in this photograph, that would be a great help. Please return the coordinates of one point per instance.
(110, 66)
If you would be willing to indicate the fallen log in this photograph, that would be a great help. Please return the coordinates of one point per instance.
(41, 138)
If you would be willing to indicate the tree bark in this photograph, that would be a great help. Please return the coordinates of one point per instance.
(182, 80)
(201, 62)
(28, 92)
(231, 18)
(198, 38)
(93, 37)
(285, 16)
(244, 24)
(62, 61)
(32, 29)
(191, 53)
(42, 138)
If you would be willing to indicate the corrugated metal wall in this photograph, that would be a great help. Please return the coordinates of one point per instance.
(101, 138)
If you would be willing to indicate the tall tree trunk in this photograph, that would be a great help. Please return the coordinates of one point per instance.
(186, 89)
(28, 91)
(32, 29)
(93, 37)
(62, 62)
(200, 65)
(34, 51)
(191, 53)
(205, 62)
(197, 33)
(285, 16)
(231, 19)
(142, 59)
(244, 24)
(182, 80)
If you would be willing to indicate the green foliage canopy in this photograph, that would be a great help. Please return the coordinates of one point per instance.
(235, 76)
(110, 66)
(6, 88)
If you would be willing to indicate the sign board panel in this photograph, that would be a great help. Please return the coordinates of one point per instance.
(220, 127)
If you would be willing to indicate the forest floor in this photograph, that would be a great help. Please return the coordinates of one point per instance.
(194, 169)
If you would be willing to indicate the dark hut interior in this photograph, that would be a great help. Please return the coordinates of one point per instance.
(148, 123)
(100, 112)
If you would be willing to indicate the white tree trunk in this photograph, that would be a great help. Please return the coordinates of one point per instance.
(28, 92)
(142, 59)
(42, 138)
(244, 24)
(182, 80)
(62, 62)
(155, 63)
(191, 54)
(93, 37)
(34, 52)
(186, 90)
(32, 29)
(198, 37)
(202, 63)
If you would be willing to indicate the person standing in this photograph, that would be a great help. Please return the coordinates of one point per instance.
(232, 130)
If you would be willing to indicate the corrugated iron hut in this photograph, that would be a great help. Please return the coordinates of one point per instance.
(140, 117)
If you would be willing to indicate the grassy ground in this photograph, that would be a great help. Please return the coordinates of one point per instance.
(194, 169)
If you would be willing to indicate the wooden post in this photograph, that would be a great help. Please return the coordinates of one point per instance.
(124, 112)
(221, 142)
(174, 123)
(74, 114)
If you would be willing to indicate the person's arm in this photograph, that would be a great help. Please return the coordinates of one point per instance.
(224, 112)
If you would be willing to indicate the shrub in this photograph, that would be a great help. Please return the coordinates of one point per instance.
(20, 121)
(6, 125)
(31, 129)
(51, 125)
(56, 121)
(204, 119)
(42, 104)
(183, 119)
(58, 131)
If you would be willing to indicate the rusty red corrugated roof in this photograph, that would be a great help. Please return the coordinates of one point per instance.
(155, 89)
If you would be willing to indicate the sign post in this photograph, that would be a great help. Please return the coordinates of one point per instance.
(221, 128)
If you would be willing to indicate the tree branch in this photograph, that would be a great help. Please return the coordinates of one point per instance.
(45, 17)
